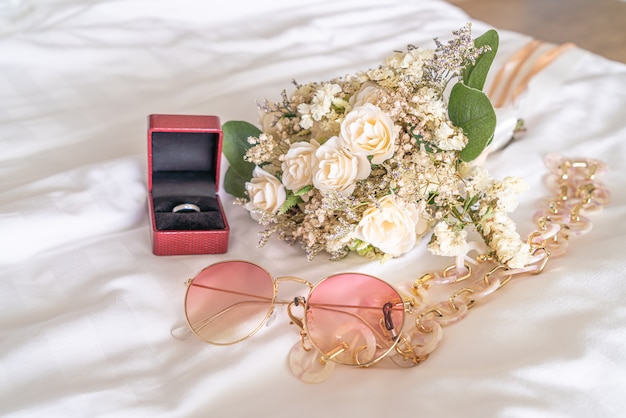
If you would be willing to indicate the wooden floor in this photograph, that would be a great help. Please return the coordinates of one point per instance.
(596, 25)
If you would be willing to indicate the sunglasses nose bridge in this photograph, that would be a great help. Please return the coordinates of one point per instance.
(294, 279)
(293, 301)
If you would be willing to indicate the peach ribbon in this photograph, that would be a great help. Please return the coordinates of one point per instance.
(514, 76)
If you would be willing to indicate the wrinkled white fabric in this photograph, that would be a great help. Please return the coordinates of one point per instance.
(86, 309)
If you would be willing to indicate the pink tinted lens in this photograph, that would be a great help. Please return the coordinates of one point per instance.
(354, 318)
(229, 301)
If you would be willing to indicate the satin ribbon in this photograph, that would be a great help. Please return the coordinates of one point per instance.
(513, 78)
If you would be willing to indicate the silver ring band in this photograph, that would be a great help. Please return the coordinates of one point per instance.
(186, 207)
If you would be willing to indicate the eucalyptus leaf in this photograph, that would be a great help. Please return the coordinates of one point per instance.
(236, 134)
(471, 110)
(234, 184)
(476, 74)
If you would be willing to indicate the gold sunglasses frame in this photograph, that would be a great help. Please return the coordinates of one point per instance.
(404, 303)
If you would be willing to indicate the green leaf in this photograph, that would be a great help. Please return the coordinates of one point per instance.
(476, 74)
(291, 201)
(471, 110)
(235, 145)
(234, 183)
(236, 134)
(304, 190)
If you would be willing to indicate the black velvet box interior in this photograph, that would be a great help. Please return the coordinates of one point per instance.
(184, 170)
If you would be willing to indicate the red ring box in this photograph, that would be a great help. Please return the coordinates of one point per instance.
(184, 153)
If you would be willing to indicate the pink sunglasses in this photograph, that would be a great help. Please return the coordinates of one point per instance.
(349, 318)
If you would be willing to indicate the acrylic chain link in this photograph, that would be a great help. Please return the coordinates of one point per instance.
(577, 192)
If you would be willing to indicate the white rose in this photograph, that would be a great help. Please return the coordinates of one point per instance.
(336, 169)
(392, 226)
(368, 93)
(369, 131)
(265, 191)
(297, 166)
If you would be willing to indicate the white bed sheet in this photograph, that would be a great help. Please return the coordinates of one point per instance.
(86, 309)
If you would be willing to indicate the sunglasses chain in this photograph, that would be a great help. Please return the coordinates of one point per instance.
(576, 191)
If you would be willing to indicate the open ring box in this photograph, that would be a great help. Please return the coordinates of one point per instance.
(184, 153)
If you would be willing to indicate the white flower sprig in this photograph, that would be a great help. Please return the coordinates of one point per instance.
(374, 161)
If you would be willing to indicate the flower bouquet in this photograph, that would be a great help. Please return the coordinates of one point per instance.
(373, 162)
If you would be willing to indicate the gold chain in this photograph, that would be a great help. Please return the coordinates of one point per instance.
(576, 192)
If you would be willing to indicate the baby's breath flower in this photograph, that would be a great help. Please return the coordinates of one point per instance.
(370, 163)
(448, 241)
(507, 191)
(262, 150)
(476, 179)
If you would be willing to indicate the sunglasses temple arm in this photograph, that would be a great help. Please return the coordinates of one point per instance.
(333, 308)
(206, 321)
